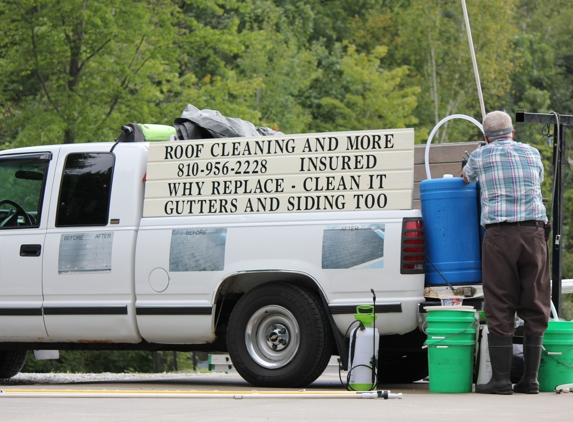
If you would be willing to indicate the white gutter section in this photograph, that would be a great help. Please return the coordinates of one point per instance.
(567, 286)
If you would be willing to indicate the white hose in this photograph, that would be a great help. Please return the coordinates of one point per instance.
(555, 317)
(444, 120)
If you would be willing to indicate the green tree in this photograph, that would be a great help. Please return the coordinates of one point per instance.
(366, 96)
(430, 38)
(550, 22)
(543, 84)
(335, 21)
(73, 66)
(276, 40)
(255, 61)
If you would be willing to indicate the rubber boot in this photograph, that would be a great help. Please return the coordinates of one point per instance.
(500, 356)
(532, 346)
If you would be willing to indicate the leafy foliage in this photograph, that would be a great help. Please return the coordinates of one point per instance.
(77, 361)
(75, 71)
(74, 66)
(366, 95)
(115, 361)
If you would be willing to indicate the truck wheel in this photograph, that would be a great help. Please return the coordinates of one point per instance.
(402, 368)
(279, 336)
(11, 362)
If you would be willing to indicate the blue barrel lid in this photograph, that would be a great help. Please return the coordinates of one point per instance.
(444, 183)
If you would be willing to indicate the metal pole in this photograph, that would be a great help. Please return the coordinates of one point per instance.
(557, 217)
(474, 61)
(155, 362)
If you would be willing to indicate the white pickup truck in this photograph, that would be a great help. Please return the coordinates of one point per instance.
(259, 247)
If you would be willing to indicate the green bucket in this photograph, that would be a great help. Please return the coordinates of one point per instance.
(451, 340)
(556, 365)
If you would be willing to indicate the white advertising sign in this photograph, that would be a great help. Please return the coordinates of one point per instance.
(339, 171)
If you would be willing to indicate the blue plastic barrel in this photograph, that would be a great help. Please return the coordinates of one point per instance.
(451, 222)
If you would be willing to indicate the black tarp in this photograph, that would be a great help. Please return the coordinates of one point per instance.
(204, 124)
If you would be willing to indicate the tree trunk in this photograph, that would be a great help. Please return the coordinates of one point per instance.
(69, 136)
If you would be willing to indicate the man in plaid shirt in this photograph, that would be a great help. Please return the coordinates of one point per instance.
(515, 256)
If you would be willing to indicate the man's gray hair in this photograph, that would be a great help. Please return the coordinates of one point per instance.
(496, 124)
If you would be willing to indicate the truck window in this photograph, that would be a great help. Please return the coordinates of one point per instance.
(85, 191)
(22, 190)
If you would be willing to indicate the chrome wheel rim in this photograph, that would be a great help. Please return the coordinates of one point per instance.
(272, 336)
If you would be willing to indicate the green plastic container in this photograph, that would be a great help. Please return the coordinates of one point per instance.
(365, 314)
(556, 365)
(154, 132)
(451, 340)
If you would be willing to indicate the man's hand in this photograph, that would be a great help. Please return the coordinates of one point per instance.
(464, 175)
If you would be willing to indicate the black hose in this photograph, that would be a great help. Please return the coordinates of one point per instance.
(436, 268)
(374, 360)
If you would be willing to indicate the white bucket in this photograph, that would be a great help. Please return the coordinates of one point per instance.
(485, 372)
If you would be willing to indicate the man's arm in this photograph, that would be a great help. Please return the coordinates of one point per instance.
(468, 172)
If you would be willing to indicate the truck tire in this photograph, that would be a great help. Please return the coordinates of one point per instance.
(279, 336)
(12, 362)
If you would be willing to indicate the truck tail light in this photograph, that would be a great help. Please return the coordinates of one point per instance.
(413, 246)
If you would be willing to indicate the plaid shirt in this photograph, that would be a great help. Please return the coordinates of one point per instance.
(510, 175)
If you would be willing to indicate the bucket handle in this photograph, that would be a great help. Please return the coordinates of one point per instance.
(425, 346)
(551, 355)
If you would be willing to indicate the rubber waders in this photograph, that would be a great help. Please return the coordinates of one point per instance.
(500, 355)
(532, 346)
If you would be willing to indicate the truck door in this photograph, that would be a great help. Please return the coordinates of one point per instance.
(88, 265)
(22, 232)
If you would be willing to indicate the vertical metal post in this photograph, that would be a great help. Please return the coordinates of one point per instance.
(155, 362)
(557, 216)
(175, 368)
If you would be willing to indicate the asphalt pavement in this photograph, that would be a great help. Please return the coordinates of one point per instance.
(227, 397)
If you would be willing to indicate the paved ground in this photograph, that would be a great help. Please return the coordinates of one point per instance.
(417, 403)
